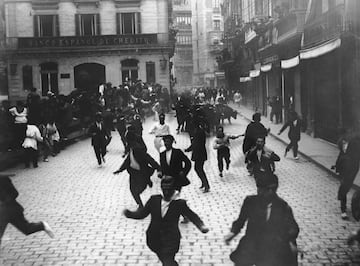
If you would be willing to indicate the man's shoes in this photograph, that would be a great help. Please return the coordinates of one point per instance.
(285, 153)
(103, 159)
(344, 216)
(202, 186)
(48, 230)
(221, 174)
(206, 190)
(296, 158)
(46, 160)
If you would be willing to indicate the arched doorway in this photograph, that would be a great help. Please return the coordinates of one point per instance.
(129, 70)
(89, 76)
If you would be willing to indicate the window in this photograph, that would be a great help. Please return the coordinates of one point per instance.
(150, 72)
(87, 24)
(27, 77)
(129, 70)
(216, 3)
(49, 78)
(216, 24)
(183, 39)
(183, 20)
(128, 23)
(46, 25)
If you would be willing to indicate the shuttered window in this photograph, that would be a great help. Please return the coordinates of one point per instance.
(128, 23)
(87, 24)
(46, 26)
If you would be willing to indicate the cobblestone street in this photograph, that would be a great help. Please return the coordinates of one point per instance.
(84, 204)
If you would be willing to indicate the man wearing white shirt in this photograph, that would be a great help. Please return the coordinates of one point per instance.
(160, 129)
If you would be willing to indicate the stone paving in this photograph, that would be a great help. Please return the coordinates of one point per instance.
(84, 204)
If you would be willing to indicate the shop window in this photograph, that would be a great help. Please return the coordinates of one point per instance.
(46, 25)
(87, 24)
(128, 23)
(216, 3)
(49, 78)
(27, 77)
(129, 70)
(150, 72)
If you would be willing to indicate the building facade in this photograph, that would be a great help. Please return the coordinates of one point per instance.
(207, 41)
(3, 65)
(305, 52)
(183, 56)
(61, 45)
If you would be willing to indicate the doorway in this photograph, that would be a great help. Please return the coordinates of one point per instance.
(89, 76)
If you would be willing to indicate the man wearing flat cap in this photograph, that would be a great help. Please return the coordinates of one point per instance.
(271, 232)
(12, 212)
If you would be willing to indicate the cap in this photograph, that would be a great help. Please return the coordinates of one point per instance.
(266, 180)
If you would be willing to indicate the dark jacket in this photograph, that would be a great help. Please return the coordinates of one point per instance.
(179, 162)
(266, 162)
(253, 131)
(163, 234)
(98, 137)
(146, 162)
(197, 146)
(294, 129)
(266, 242)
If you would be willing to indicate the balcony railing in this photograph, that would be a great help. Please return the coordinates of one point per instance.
(100, 41)
(326, 27)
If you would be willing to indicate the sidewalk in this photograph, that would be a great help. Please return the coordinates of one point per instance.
(318, 151)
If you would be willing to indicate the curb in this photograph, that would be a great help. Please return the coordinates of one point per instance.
(320, 165)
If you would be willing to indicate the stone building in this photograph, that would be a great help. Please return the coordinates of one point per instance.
(207, 41)
(59, 45)
(306, 52)
(183, 57)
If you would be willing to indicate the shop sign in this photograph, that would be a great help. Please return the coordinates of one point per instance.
(83, 41)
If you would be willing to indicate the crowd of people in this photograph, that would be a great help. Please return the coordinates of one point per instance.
(270, 237)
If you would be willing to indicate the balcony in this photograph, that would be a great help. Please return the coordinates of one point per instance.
(101, 42)
(326, 27)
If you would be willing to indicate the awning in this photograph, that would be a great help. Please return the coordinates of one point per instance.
(266, 68)
(320, 50)
(245, 79)
(289, 63)
(254, 73)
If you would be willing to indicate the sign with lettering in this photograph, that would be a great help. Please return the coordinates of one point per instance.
(64, 75)
(86, 41)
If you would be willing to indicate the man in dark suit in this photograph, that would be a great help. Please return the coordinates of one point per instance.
(99, 138)
(163, 234)
(12, 212)
(271, 232)
(140, 166)
(175, 163)
(199, 154)
(295, 124)
(260, 158)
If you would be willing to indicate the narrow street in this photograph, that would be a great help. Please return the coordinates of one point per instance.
(84, 204)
